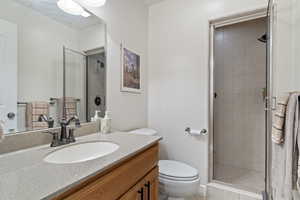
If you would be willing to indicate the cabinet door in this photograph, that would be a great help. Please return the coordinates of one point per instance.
(135, 193)
(146, 189)
(151, 185)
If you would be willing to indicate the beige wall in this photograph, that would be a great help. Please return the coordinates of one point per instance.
(286, 47)
(127, 23)
(178, 73)
(92, 37)
(286, 71)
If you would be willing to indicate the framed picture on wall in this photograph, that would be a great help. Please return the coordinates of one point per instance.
(130, 71)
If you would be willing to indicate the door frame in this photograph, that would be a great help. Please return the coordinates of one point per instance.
(225, 21)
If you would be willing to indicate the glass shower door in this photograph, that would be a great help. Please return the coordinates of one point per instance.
(239, 101)
(75, 83)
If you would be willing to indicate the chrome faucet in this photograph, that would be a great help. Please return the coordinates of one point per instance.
(64, 138)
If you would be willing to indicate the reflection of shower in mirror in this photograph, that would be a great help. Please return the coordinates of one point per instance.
(96, 82)
(100, 65)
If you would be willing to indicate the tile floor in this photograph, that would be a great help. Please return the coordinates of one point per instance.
(247, 179)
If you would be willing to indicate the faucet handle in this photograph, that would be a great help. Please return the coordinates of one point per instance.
(71, 137)
(48, 120)
(55, 138)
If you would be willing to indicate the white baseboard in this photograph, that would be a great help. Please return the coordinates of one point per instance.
(203, 190)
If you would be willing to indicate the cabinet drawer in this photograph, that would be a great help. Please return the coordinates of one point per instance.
(117, 182)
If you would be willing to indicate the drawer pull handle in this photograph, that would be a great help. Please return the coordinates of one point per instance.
(148, 185)
(141, 192)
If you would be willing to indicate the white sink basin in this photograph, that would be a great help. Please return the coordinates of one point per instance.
(81, 152)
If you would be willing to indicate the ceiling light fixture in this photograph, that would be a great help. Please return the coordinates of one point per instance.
(72, 8)
(85, 14)
(94, 3)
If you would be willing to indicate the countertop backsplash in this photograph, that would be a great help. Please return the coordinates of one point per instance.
(15, 142)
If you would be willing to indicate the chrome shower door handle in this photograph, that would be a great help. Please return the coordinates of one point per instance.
(273, 103)
(264, 94)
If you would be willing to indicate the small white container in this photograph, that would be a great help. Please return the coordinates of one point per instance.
(1, 130)
(106, 124)
(2, 124)
(96, 116)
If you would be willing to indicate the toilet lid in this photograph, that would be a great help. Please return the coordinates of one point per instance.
(144, 131)
(175, 169)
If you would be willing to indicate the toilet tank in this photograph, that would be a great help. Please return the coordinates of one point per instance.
(144, 131)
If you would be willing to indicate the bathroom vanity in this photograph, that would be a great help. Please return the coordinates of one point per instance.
(135, 178)
(128, 173)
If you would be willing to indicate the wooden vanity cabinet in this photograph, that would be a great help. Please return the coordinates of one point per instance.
(146, 189)
(134, 179)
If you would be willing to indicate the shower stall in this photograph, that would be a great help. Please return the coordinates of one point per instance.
(239, 102)
(85, 81)
(96, 82)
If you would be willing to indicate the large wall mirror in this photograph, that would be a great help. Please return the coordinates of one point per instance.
(50, 62)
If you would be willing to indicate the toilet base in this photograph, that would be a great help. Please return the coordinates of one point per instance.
(165, 197)
(162, 197)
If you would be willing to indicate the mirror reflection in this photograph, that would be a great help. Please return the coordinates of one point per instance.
(47, 54)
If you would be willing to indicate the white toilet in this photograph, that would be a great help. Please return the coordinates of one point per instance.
(177, 180)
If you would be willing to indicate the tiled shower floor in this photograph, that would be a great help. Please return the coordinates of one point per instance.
(250, 180)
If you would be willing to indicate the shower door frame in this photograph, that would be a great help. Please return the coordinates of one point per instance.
(229, 20)
(65, 49)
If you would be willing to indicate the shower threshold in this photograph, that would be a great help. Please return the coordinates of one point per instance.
(232, 191)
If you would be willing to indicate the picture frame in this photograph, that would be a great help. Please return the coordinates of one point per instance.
(130, 71)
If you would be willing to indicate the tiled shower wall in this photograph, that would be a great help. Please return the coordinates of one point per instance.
(96, 83)
(239, 77)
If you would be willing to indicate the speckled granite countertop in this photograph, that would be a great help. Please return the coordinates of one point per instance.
(25, 176)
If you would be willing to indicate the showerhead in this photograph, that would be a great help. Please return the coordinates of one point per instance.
(263, 38)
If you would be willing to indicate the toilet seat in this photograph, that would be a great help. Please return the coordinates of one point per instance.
(170, 178)
(176, 171)
(144, 131)
(177, 180)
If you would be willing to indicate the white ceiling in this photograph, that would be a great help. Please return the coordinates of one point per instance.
(150, 2)
(50, 9)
